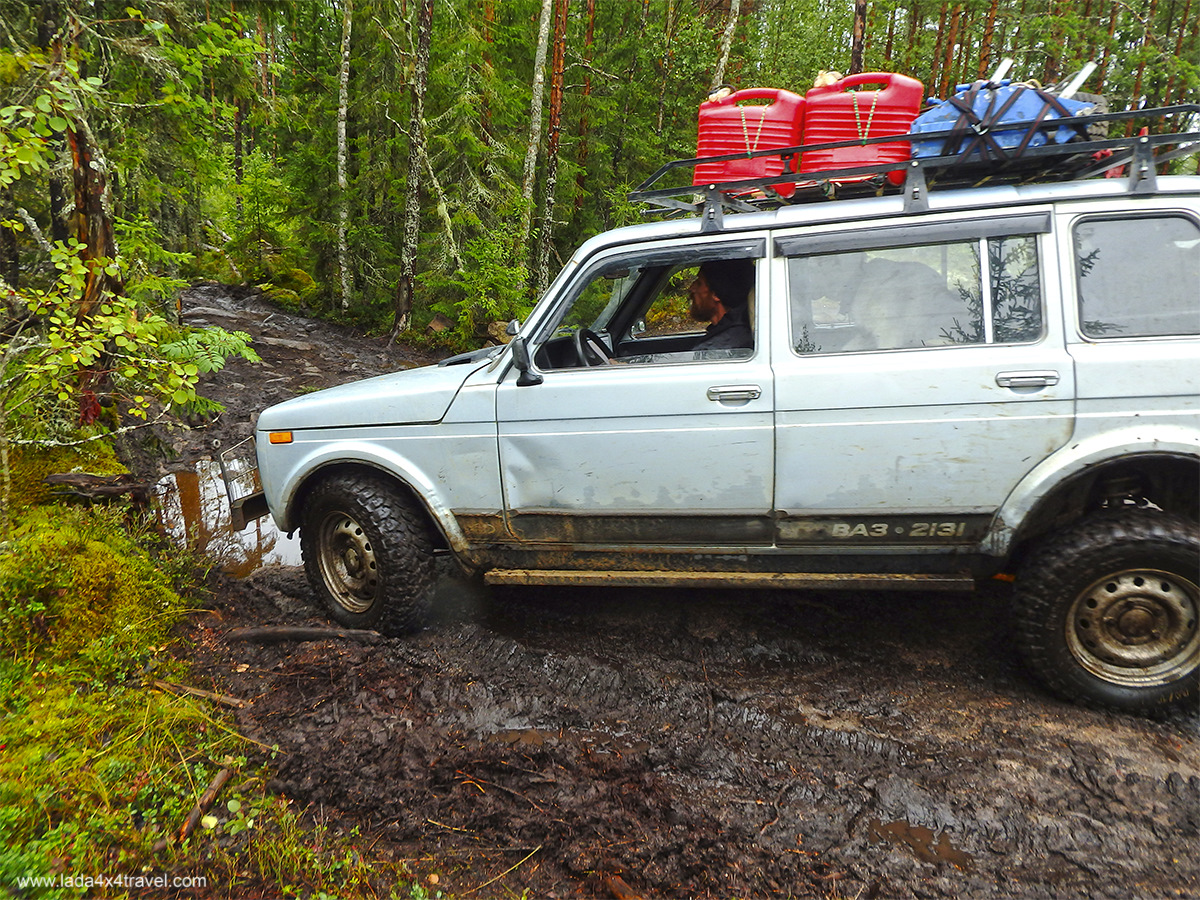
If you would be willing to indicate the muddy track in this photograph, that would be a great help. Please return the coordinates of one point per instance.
(650, 743)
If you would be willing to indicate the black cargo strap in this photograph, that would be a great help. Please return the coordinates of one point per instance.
(981, 127)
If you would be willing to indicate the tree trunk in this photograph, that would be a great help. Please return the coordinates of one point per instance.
(735, 8)
(985, 45)
(858, 37)
(948, 52)
(535, 125)
(935, 70)
(1102, 72)
(589, 41)
(342, 182)
(554, 131)
(411, 221)
(1135, 98)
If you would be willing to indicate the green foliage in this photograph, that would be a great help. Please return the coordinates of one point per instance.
(140, 357)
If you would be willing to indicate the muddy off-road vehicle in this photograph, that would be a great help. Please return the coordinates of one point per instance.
(947, 383)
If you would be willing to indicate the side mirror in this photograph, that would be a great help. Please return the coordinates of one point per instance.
(513, 328)
(521, 361)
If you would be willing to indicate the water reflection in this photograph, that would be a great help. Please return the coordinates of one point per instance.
(193, 509)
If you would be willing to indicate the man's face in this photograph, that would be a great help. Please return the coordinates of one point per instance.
(704, 302)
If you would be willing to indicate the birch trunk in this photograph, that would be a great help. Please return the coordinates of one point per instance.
(735, 8)
(535, 124)
(342, 182)
(411, 221)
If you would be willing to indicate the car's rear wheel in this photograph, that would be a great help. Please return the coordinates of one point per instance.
(368, 553)
(1108, 610)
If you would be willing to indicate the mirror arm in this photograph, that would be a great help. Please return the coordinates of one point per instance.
(521, 361)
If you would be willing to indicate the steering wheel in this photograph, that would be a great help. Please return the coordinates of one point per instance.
(589, 349)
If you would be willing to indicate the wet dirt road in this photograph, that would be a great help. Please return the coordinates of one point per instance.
(716, 744)
(640, 743)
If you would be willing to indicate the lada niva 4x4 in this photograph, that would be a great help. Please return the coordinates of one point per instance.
(1002, 381)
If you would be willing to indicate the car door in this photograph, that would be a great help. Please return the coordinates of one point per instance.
(655, 450)
(922, 374)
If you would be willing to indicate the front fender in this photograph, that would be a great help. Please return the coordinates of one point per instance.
(1072, 461)
(291, 472)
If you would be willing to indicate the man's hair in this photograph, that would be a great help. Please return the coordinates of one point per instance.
(729, 279)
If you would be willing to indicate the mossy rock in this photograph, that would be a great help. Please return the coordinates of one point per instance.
(28, 466)
(280, 296)
(296, 280)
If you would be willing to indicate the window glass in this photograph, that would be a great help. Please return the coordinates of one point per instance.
(668, 312)
(913, 297)
(1138, 276)
(648, 313)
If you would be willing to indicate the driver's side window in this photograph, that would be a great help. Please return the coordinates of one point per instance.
(674, 311)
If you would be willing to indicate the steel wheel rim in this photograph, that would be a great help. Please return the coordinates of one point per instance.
(348, 563)
(1136, 627)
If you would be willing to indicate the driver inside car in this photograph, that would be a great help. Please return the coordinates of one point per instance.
(720, 293)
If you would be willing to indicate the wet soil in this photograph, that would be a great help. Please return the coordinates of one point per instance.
(676, 743)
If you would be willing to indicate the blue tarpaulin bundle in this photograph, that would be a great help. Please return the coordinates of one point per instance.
(977, 113)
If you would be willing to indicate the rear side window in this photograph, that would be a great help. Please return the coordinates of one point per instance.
(1138, 276)
(981, 291)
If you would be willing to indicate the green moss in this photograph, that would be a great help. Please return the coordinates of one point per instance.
(71, 579)
(289, 300)
(29, 466)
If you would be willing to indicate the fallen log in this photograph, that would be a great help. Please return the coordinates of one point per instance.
(278, 634)
(99, 487)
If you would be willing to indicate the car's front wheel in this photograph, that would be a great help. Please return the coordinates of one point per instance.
(1107, 611)
(367, 553)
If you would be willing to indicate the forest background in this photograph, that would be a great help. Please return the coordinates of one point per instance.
(394, 162)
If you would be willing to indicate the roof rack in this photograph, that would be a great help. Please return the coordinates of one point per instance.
(1052, 162)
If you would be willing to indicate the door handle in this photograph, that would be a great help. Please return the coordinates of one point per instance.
(1032, 379)
(727, 393)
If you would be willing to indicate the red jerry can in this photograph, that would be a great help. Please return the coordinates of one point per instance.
(847, 111)
(732, 124)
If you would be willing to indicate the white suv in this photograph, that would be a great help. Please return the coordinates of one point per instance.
(994, 382)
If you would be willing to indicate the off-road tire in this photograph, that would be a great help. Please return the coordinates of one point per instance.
(1106, 611)
(368, 553)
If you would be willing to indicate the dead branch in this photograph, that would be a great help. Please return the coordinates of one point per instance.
(205, 801)
(278, 634)
(178, 689)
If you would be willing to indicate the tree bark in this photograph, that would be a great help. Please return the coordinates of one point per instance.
(410, 223)
(589, 41)
(735, 8)
(858, 37)
(948, 50)
(985, 46)
(554, 131)
(535, 124)
(342, 182)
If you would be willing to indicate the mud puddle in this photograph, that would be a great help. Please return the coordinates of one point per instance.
(193, 510)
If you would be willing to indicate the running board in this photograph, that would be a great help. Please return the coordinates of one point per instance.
(806, 580)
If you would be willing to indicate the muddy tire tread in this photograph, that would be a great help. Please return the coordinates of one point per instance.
(1046, 584)
(403, 544)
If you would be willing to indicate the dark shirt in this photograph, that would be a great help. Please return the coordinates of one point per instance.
(731, 333)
